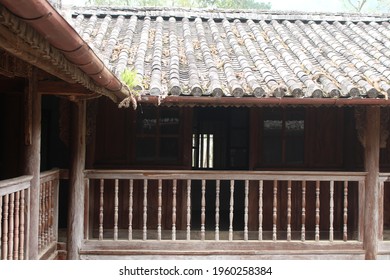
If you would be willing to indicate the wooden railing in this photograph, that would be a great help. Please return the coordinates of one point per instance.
(48, 210)
(384, 206)
(14, 218)
(15, 215)
(221, 205)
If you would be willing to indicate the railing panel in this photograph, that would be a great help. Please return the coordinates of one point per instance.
(384, 207)
(48, 210)
(13, 214)
(221, 206)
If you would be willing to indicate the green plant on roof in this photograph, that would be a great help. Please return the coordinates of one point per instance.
(130, 78)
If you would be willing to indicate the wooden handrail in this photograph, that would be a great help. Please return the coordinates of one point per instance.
(50, 175)
(15, 184)
(224, 175)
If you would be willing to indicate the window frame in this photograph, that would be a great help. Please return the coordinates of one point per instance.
(158, 160)
(259, 140)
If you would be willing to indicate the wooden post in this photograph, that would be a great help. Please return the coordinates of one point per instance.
(372, 137)
(76, 180)
(33, 159)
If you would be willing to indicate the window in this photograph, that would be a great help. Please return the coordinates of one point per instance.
(157, 138)
(283, 136)
(202, 150)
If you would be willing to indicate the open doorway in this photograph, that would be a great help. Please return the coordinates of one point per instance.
(220, 141)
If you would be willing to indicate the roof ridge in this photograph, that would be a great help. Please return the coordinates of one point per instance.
(217, 13)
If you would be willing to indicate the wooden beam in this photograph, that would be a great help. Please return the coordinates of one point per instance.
(76, 180)
(33, 159)
(62, 88)
(371, 216)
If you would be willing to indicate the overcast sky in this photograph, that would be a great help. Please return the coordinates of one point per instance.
(292, 5)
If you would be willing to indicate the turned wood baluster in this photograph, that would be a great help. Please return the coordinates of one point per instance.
(46, 216)
(331, 211)
(22, 224)
(17, 225)
(217, 206)
(261, 210)
(101, 210)
(116, 208)
(52, 209)
(50, 212)
(174, 208)
(303, 218)
(289, 211)
(4, 245)
(203, 212)
(231, 210)
(159, 209)
(188, 209)
(275, 211)
(131, 190)
(145, 211)
(40, 225)
(345, 232)
(317, 228)
(11, 226)
(246, 210)
(43, 213)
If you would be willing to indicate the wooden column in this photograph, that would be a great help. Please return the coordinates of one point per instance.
(372, 141)
(76, 180)
(32, 165)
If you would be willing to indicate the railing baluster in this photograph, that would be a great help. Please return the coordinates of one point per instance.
(116, 208)
(345, 216)
(22, 224)
(275, 211)
(289, 210)
(131, 190)
(231, 210)
(303, 229)
(261, 183)
(11, 226)
(46, 216)
(174, 208)
(4, 246)
(51, 212)
(217, 206)
(188, 209)
(40, 245)
(246, 210)
(145, 211)
(203, 212)
(17, 225)
(101, 210)
(159, 209)
(87, 203)
(331, 211)
(317, 228)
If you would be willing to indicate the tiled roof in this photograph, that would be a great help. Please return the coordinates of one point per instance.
(240, 54)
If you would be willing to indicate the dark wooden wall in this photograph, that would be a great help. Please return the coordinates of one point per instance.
(331, 141)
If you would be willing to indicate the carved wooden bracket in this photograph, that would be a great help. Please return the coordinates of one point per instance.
(360, 117)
